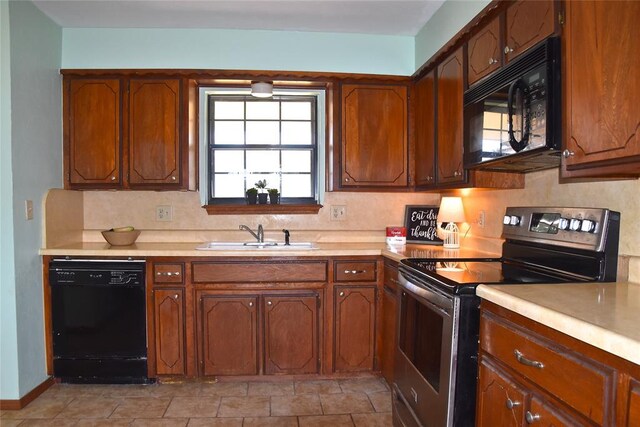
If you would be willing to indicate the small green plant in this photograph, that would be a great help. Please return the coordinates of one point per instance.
(273, 191)
(252, 191)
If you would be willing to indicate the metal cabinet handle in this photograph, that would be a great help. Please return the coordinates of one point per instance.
(269, 303)
(456, 173)
(355, 271)
(507, 50)
(346, 180)
(113, 178)
(341, 294)
(492, 61)
(567, 153)
(168, 273)
(512, 403)
(534, 363)
(176, 296)
(531, 418)
(173, 178)
(251, 304)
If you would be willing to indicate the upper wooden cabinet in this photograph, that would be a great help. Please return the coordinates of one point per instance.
(425, 130)
(154, 132)
(602, 120)
(484, 52)
(92, 132)
(526, 23)
(374, 140)
(123, 133)
(449, 119)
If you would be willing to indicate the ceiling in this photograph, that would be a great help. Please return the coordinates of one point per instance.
(388, 17)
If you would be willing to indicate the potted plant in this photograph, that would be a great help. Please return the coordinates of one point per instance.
(261, 185)
(252, 196)
(273, 196)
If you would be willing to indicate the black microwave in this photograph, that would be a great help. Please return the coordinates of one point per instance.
(512, 119)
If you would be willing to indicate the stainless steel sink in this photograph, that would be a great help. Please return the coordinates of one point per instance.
(252, 246)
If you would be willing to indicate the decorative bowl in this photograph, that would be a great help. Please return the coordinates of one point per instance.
(120, 238)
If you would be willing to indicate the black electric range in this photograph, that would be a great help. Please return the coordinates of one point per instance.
(436, 356)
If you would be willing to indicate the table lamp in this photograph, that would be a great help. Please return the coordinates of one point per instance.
(451, 211)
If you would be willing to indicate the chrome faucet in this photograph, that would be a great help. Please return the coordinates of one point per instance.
(259, 237)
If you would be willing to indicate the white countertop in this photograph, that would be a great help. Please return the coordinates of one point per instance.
(605, 315)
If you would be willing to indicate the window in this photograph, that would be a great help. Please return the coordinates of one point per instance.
(250, 139)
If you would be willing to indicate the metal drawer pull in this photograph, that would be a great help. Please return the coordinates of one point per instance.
(520, 358)
(531, 418)
(355, 271)
(269, 303)
(168, 273)
(250, 304)
(176, 296)
(341, 294)
(512, 404)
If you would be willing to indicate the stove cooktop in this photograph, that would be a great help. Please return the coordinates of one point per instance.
(462, 276)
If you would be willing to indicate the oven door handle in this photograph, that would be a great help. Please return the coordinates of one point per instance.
(442, 303)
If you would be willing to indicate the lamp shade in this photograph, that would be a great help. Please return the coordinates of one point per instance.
(451, 210)
(262, 89)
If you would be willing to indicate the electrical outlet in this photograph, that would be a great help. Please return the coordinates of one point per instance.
(164, 213)
(481, 219)
(28, 209)
(338, 213)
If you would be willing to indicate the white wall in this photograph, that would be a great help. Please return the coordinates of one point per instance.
(443, 25)
(237, 49)
(36, 158)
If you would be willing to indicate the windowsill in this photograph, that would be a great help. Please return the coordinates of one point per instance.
(263, 209)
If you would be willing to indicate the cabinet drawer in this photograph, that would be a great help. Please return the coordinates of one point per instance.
(168, 273)
(355, 271)
(575, 380)
(252, 272)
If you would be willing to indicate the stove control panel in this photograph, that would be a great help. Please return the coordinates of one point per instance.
(576, 227)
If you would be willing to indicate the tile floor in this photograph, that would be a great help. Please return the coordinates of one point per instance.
(356, 402)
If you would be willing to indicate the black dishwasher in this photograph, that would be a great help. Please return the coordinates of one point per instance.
(98, 321)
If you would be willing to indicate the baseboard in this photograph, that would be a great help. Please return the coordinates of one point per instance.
(27, 398)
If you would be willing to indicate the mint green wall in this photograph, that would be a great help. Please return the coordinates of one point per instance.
(236, 49)
(8, 331)
(443, 25)
(36, 162)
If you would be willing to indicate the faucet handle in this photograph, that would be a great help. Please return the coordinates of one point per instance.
(286, 236)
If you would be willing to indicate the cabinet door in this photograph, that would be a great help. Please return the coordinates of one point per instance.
(543, 414)
(631, 404)
(483, 52)
(500, 400)
(291, 338)
(154, 132)
(450, 103)
(169, 331)
(355, 320)
(425, 130)
(528, 22)
(374, 136)
(92, 133)
(601, 45)
(228, 328)
(389, 330)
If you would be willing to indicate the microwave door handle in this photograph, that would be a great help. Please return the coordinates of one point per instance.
(524, 141)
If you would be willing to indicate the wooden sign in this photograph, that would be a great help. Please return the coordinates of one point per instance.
(422, 224)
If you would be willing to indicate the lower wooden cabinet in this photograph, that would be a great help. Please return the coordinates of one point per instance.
(291, 334)
(229, 334)
(169, 331)
(389, 321)
(355, 321)
(530, 374)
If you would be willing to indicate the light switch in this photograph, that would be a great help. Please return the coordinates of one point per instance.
(28, 209)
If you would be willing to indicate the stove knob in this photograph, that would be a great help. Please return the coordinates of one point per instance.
(574, 225)
(563, 224)
(515, 220)
(588, 226)
(506, 220)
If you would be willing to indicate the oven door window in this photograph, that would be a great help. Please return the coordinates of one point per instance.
(421, 331)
